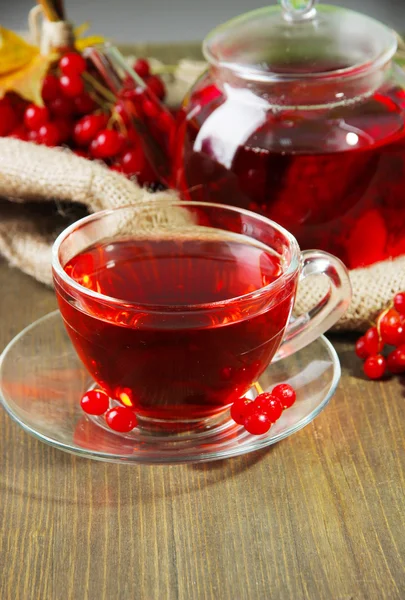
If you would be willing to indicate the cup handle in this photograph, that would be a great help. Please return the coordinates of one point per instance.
(307, 327)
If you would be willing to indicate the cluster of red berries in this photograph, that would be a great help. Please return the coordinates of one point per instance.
(75, 115)
(388, 331)
(258, 415)
(119, 418)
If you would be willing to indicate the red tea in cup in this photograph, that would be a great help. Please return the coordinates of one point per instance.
(182, 370)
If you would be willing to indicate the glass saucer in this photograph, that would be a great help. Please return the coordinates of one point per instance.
(42, 381)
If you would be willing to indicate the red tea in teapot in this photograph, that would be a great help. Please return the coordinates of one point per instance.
(334, 177)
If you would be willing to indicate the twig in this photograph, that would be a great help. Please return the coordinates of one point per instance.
(51, 9)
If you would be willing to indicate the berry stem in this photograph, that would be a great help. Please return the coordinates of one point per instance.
(99, 87)
(380, 317)
(258, 387)
(122, 63)
(97, 99)
(116, 118)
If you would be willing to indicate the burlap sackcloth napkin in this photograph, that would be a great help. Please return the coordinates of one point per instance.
(42, 188)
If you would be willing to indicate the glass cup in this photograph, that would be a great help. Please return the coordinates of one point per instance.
(176, 308)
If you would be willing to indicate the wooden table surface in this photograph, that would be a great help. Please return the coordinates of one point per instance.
(320, 515)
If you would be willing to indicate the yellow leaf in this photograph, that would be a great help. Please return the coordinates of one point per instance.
(27, 81)
(91, 40)
(84, 42)
(81, 29)
(14, 51)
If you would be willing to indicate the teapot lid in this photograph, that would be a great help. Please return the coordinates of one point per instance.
(298, 40)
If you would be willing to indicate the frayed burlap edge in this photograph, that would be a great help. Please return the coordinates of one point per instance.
(30, 173)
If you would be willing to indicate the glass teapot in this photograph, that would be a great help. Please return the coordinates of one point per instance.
(300, 117)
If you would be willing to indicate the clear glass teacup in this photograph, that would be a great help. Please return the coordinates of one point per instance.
(176, 308)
